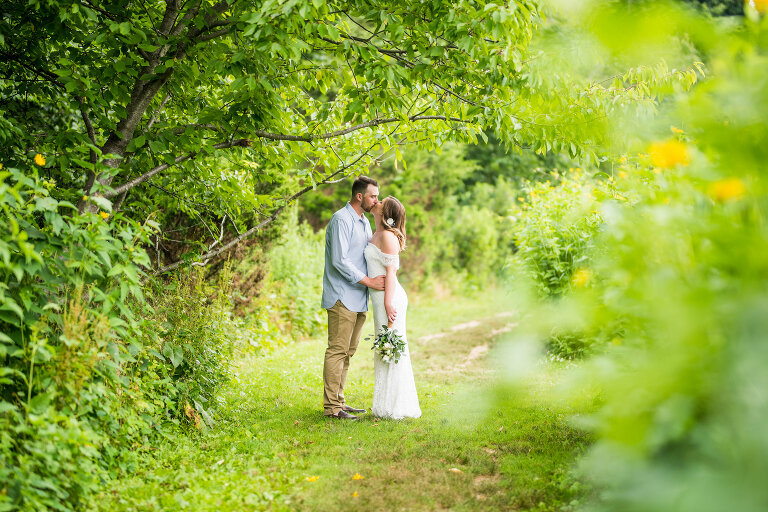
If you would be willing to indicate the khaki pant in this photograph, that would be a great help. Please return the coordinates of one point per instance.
(344, 328)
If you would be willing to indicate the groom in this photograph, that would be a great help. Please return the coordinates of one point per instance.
(345, 291)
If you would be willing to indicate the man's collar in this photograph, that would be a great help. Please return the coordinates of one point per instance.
(354, 212)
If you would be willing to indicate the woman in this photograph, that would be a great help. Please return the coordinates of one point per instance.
(394, 391)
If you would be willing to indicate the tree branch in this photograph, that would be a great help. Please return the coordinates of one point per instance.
(160, 168)
(273, 136)
(235, 241)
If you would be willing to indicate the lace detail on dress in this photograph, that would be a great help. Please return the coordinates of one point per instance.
(386, 260)
(389, 260)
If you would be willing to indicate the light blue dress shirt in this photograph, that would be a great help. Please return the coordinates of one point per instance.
(346, 236)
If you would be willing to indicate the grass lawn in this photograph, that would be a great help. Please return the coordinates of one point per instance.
(478, 446)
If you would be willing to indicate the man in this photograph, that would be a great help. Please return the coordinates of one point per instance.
(345, 291)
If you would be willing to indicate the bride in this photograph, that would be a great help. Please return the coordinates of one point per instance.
(394, 391)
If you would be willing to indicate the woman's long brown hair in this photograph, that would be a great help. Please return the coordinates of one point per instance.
(391, 208)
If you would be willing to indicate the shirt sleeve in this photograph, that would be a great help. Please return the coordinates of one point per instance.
(339, 233)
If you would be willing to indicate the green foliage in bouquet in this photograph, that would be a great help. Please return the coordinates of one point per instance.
(389, 344)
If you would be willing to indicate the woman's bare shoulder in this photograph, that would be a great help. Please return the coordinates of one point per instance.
(389, 243)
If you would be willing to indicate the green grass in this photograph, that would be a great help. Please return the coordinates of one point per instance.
(478, 446)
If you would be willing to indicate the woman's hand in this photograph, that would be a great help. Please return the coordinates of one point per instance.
(391, 313)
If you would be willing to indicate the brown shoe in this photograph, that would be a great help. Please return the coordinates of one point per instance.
(347, 408)
(342, 415)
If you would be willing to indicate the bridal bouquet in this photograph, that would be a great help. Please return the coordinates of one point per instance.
(389, 344)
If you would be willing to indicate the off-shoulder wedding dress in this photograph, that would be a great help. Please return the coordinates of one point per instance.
(394, 391)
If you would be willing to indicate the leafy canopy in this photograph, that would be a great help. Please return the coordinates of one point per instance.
(213, 100)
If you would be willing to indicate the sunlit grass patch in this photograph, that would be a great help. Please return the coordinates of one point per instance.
(476, 447)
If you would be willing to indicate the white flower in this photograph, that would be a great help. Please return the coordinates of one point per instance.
(390, 222)
(387, 345)
(385, 359)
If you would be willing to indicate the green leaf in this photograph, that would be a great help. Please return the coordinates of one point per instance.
(40, 403)
(10, 305)
(102, 202)
(177, 356)
(136, 143)
(7, 406)
(45, 204)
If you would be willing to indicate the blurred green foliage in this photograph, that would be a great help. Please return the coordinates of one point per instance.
(673, 280)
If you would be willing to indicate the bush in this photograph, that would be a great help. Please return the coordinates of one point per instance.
(190, 335)
(89, 369)
(553, 231)
(296, 280)
(64, 282)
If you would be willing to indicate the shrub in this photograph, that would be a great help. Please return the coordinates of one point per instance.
(553, 231)
(190, 335)
(64, 281)
(294, 284)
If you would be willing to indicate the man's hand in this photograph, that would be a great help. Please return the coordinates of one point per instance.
(375, 283)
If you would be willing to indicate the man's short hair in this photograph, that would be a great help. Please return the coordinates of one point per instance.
(360, 185)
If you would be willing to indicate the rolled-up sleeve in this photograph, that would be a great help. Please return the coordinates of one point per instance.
(339, 234)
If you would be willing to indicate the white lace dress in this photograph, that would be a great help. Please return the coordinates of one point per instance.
(394, 390)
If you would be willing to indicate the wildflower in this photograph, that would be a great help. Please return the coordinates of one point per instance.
(676, 130)
(760, 6)
(39, 159)
(622, 159)
(622, 174)
(581, 277)
(727, 189)
(104, 215)
(85, 198)
(358, 476)
(312, 478)
(1, 167)
(354, 494)
(668, 154)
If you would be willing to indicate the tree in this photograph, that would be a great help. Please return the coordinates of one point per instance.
(198, 93)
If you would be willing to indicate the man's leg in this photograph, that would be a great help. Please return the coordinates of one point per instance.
(353, 343)
(341, 326)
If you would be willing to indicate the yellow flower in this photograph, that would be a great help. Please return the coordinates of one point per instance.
(354, 494)
(760, 6)
(85, 198)
(622, 174)
(104, 215)
(39, 159)
(727, 189)
(668, 154)
(581, 277)
(676, 130)
(312, 478)
(1, 167)
(358, 476)
(622, 160)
